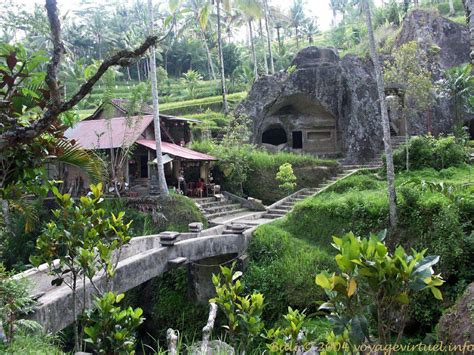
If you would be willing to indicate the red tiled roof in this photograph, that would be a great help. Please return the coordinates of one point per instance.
(109, 133)
(176, 150)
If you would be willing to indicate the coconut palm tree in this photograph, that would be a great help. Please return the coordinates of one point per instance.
(297, 18)
(251, 10)
(384, 112)
(203, 19)
(269, 36)
(163, 187)
(201, 11)
(310, 29)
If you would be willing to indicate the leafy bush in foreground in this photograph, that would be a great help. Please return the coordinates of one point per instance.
(427, 219)
(372, 280)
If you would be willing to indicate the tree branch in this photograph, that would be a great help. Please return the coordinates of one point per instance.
(206, 331)
(21, 134)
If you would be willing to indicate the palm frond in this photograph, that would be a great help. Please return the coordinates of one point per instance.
(85, 160)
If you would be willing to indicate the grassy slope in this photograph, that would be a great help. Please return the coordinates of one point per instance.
(359, 203)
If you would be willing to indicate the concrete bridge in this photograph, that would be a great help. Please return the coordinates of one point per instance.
(142, 260)
(147, 257)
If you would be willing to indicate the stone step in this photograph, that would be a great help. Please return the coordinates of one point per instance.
(279, 209)
(276, 212)
(204, 199)
(220, 214)
(272, 215)
(223, 207)
(212, 203)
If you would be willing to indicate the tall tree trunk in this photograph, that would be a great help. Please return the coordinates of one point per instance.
(469, 9)
(385, 121)
(254, 54)
(221, 58)
(212, 72)
(269, 37)
(297, 38)
(138, 70)
(6, 216)
(210, 64)
(452, 11)
(279, 39)
(128, 74)
(263, 44)
(163, 187)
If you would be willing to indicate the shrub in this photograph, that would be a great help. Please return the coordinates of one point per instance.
(243, 311)
(32, 344)
(318, 218)
(429, 152)
(436, 219)
(282, 267)
(286, 177)
(358, 182)
(171, 305)
(111, 328)
(370, 278)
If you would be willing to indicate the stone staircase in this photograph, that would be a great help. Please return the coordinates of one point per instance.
(282, 207)
(213, 207)
(377, 162)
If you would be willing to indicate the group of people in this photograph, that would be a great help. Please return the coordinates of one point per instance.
(195, 190)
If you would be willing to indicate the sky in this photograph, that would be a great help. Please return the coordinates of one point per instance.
(315, 8)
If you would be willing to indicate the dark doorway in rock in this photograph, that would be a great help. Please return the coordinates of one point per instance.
(274, 135)
(297, 140)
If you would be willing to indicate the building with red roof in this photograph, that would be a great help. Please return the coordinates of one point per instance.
(127, 143)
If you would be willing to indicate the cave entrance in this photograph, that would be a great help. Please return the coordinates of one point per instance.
(274, 135)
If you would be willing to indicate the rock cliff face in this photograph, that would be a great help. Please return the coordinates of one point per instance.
(325, 97)
(328, 106)
(430, 31)
(456, 326)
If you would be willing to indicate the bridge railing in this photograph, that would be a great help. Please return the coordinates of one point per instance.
(143, 259)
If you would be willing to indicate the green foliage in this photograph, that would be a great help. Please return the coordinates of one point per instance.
(439, 219)
(286, 177)
(77, 231)
(429, 152)
(32, 344)
(191, 79)
(184, 107)
(328, 214)
(371, 278)
(111, 329)
(15, 301)
(171, 306)
(410, 69)
(358, 182)
(458, 84)
(83, 238)
(263, 166)
(291, 69)
(243, 312)
(289, 336)
(273, 271)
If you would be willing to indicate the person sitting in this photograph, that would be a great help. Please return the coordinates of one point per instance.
(200, 185)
